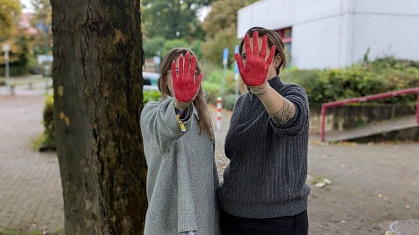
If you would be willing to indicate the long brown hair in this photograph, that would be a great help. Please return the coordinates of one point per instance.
(199, 102)
(273, 39)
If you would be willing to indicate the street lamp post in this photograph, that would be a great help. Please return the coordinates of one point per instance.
(6, 49)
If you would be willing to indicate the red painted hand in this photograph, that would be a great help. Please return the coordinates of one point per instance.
(185, 82)
(255, 70)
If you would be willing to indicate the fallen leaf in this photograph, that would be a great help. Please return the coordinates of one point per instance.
(320, 184)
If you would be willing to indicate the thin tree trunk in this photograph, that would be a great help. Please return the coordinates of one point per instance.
(97, 104)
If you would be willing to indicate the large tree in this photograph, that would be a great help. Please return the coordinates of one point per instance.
(97, 104)
(176, 19)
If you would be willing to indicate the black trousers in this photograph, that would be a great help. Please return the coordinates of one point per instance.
(288, 225)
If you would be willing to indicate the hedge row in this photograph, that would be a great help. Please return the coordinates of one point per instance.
(380, 76)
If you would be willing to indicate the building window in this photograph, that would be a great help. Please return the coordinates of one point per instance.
(286, 36)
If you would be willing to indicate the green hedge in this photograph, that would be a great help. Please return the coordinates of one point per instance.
(380, 76)
(47, 141)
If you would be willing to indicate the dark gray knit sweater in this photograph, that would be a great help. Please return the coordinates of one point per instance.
(268, 169)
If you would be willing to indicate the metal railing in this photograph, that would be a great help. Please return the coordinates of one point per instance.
(363, 99)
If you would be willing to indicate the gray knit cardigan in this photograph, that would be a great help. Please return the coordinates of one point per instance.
(182, 176)
(268, 168)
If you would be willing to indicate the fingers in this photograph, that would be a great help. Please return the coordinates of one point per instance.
(247, 45)
(174, 70)
(186, 69)
(239, 62)
(255, 43)
(193, 67)
(264, 45)
(180, 69)
(271, 54)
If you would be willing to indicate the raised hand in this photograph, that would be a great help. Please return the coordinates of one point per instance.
(255, 70)
(185, 84)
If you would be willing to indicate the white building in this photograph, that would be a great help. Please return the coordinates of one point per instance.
(337, 33)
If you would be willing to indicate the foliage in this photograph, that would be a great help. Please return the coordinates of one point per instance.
(229, 101)
(41, 20)
(150, 96)
(213, 49)
(42, 10)
(196, 47)
(9, 10)
(381, 75)
(213, 81)
(174, 19)
(223, 16)
(48, 140)
(221, 29)
(170, 44)
(20, 61)
(152, 45)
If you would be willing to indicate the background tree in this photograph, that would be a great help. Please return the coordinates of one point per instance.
(42, 9)
(41, 19)
(97, 104)
(9, 14)
(221, 29)
(174, 19)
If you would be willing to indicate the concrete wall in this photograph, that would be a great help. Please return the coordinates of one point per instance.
(270, 14)
(352, 116)
(338, 33)
(387, 28)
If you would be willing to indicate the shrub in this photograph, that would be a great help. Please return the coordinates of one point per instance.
(48, 138)
(229, 101)
(212, 84)
(382, 75)
(149, 96)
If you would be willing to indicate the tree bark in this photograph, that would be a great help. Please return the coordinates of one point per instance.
(97, 104)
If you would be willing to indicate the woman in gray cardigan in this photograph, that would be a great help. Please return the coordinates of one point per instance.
(179, 149)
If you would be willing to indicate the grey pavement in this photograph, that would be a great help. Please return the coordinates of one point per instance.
(372, 186)
(30, 185)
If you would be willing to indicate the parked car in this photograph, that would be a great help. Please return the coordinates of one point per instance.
(150, 81)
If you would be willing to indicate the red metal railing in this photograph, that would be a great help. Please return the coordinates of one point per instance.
(366, 98)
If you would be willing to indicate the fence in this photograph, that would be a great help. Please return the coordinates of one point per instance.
(325, 106)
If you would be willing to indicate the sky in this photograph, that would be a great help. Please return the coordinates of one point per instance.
(28, 6)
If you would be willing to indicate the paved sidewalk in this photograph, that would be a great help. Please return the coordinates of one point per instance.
(30, 185)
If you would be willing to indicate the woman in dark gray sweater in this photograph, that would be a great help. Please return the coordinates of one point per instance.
(264, 190)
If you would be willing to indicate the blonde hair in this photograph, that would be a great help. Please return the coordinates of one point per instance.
(199, 101)
(273, 39)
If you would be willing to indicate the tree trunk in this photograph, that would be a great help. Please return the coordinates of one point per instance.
(97, 105)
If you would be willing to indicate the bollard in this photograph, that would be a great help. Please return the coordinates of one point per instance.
(12, 89)
(30, 86)
(219, 106)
